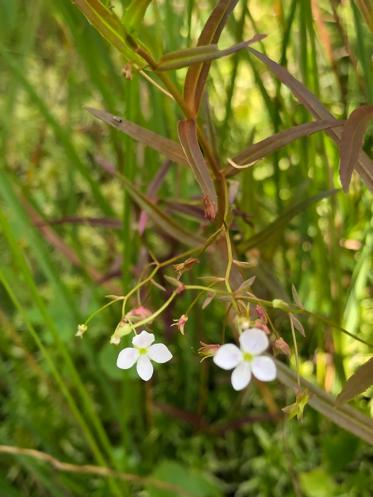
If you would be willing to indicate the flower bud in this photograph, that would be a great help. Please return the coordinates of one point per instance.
(280, 304)
(208, 350)
(185, 266)
(243, 323)
(138, 313)
(82, 328)
(261, 313)
(123, 328)
(180, 323)
(281, 346)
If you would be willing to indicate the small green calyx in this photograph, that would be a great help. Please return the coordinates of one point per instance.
(247, 357)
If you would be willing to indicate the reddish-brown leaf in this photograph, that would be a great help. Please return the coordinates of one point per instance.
(357, 383)
(352, 141)
(197, 74)
(259, 150)
(188, 138)
(169, 148)
(364, 165)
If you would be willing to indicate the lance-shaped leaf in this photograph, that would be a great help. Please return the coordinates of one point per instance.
(169, 148)
(167, 225)
(204, 53)
(283, 220)
(364, 165)
(109, 26)
(197, 74)
(259, 150)
(187, 130)
(352, 141)
(357, 383)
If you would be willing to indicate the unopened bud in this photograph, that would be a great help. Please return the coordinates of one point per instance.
(185, 266)
(180, 323)
(208, 350)
(261, 313)
(280, 304)
(243, 323)
(281, 346)
(123, 328)
(139, 313)
(82, 328)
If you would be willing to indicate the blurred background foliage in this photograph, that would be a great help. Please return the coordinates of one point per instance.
(69, 237)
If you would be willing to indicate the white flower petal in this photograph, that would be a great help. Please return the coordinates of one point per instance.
(143, 340)
(264, 368)
(254, 341)
(241, 376)
(144, 368)
(127, 358)
(158, 352)
(227, 356)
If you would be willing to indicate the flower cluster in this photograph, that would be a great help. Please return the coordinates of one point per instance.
(246, 361)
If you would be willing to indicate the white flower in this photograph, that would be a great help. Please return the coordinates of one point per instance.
(247, 359)
(142, 353)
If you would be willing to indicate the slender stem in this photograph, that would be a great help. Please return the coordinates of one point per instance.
(159, 311)
(295, 350)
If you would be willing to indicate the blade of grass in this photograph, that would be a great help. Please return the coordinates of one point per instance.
(283, 220)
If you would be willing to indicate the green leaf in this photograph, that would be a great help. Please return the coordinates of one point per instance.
(194, 482)
(357, 383)
(339, 449)
(317, 483)
(204, 53)
(109, 26)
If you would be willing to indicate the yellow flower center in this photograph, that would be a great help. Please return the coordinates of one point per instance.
(142, 350)
(247, 356)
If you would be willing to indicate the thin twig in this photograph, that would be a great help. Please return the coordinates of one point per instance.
(92, 470)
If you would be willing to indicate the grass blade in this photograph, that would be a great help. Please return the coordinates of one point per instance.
(280, 223)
